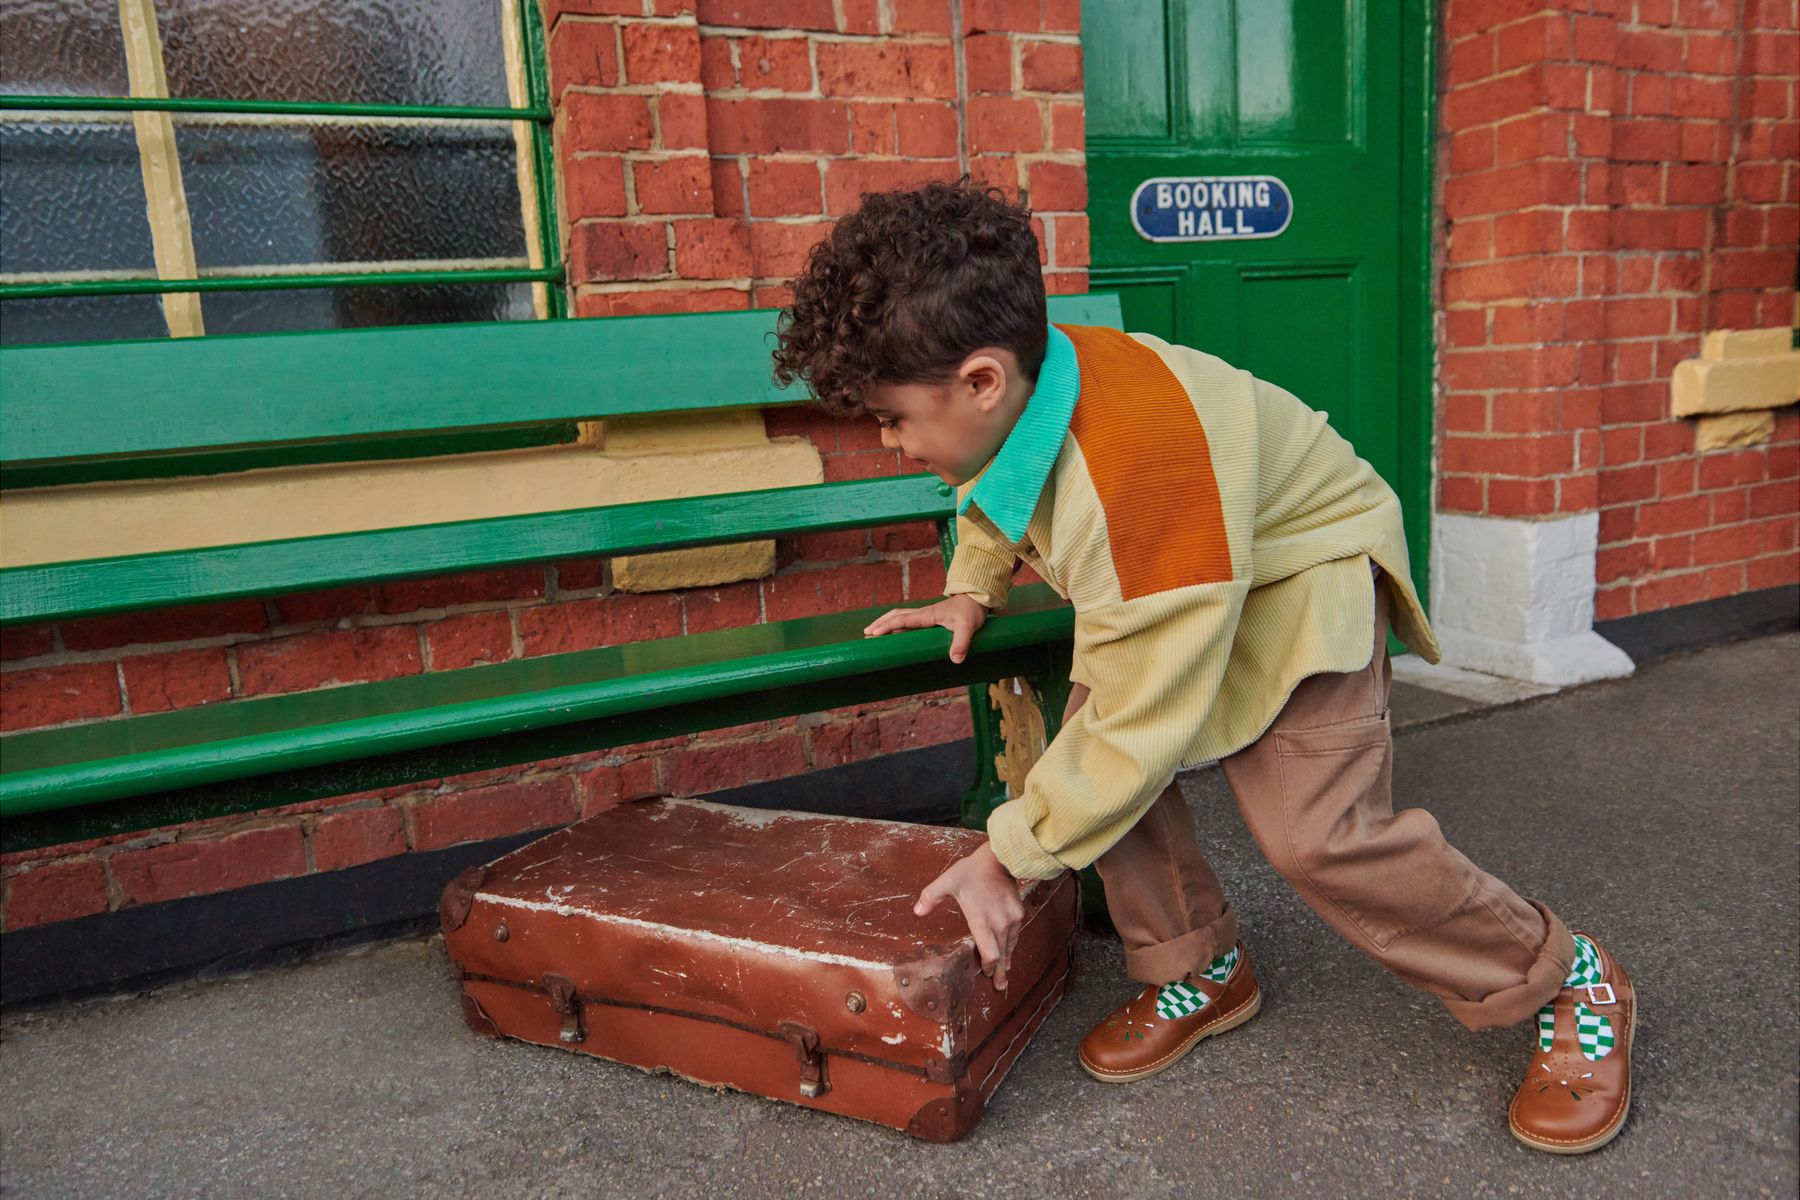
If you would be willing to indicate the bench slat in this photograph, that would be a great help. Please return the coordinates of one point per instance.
(102, 761)
(86, 400)
(56, 591)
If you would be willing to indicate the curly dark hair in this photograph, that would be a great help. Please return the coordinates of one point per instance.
(905, 287)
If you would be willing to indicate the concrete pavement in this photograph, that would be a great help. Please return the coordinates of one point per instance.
(1658, 811)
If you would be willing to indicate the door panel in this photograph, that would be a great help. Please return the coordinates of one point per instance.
(1134, 58)
(1308, 91)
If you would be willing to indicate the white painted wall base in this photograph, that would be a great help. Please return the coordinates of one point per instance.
(1516, 598)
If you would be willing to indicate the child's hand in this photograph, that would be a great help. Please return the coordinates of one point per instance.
(989, 899)
(961, 615)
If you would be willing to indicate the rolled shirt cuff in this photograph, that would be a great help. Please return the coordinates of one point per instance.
(975, 572)
(1009, 833)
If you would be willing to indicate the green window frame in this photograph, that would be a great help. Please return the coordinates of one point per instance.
(550, 299)
(537, 114)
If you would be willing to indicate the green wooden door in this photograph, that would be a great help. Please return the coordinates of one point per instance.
(1321, 294)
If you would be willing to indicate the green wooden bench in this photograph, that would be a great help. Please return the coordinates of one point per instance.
(143, 405)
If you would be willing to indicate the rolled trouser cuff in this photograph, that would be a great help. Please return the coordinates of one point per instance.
(1543, 979)
(1166, 962)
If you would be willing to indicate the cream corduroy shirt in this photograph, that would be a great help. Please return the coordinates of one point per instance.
(1213, 535)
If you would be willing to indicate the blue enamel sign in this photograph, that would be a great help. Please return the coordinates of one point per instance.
(1211, 208)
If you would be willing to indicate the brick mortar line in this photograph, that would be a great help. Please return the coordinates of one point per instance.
(58, 658)
(1517, 21)
(682, 21)
(909, 38)
(277, 630)
(820, 37)
(959, 55)
(655, 287)
(1515, 72)
(742, 93)
(1489, 347)
(649, 156)
(1715, 228)
(646, 90)
(1026, 157)
(125, 708)
(63, 658)
(654, 283)
(234, 674)
(646, 219)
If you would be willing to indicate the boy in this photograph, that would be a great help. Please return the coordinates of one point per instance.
(1233, 567)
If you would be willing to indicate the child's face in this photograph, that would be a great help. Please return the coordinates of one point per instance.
(953, 429)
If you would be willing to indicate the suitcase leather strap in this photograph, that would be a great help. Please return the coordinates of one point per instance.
(561, 990)
(805, 1041)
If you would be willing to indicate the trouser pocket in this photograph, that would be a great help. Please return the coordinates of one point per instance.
(1352, 857)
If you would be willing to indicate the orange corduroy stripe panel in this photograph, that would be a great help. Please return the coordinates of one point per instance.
(1150, 464)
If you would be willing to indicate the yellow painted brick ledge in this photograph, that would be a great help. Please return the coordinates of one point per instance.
(106, 520)
(1740, 376)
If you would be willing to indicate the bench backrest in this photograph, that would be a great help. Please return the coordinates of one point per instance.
(81, 401)
(100, 399)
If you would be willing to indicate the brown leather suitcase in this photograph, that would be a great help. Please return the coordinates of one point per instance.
(773, 952)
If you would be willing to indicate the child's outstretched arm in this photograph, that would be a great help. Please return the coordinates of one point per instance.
(961, 615)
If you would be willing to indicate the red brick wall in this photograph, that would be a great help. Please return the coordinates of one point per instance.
(1619, 176)
(702, 149)
(706, 146)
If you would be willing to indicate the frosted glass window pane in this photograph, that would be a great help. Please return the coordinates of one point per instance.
(62, 48)
(81, 319)
(71, 197)
(341, 192)
(349, 308)
(264, 191)
(351, 51)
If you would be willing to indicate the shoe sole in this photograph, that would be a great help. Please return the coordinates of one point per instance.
(1229, 1022)
(1604, 1136)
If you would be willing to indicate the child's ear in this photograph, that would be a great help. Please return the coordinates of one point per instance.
(986, 377)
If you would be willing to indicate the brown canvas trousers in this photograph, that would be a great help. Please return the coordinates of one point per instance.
(1316, 793)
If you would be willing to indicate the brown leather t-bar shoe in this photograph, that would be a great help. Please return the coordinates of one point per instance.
(1136, 1041)
(1570, 1103)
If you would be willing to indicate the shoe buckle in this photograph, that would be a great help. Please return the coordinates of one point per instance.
(1595, 989)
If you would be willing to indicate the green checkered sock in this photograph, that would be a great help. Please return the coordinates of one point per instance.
(1183, 999)
(1593, 1031)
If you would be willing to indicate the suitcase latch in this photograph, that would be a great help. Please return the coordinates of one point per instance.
(805, 1042)
(563, 999)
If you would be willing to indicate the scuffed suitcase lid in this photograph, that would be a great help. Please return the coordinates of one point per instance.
(835, 889)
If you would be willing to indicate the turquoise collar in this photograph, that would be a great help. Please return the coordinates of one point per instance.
(1008, 490)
